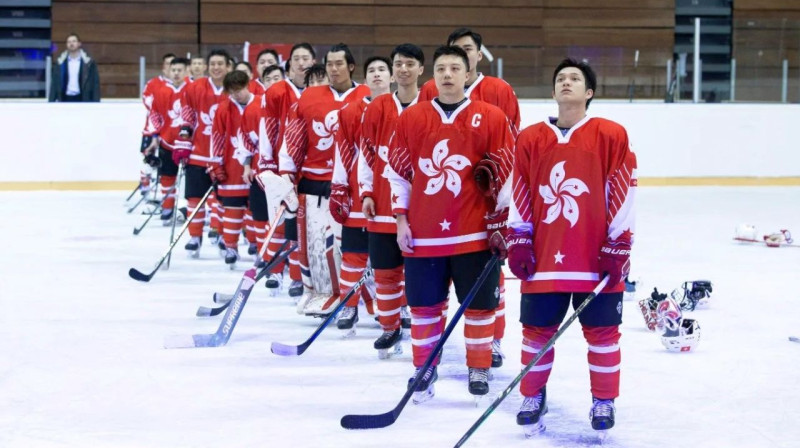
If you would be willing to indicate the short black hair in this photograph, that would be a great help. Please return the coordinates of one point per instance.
(178, 61)
(166, 56)
(409, 51)
(246, 64)
(316, 70)
(219, 52)
(461, 32)
(304, 45)
(271, 68)
(348, 55)
(268, 51)
(590, 78)
(198, 56)
(235, 80)
(75, 35)
(450, 50)
(372, 59)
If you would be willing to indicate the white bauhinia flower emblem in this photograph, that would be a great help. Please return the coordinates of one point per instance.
(561, 194)
(175, 114)
(325, 131)
(208, 119)
(443, 170)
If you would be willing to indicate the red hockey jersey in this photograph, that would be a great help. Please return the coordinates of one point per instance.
(572, 193)
(256, 87)
(150, 89)
(200, 103)
(310, 131)
(380, 120)
(345, 166)
(226, 138)
(432, 156)
(165, 118)
(252, 130)
(280, 97)
(488, 89)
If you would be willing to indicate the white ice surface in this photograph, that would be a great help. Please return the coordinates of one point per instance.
(82, 363)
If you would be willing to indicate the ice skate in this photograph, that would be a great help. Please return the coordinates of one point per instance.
(296, 288)
(497, 354)
(231, 257)
(347, 320)
(388, 343)
(166, 217)
(405, 318)
(213, 237)
(193, 246)
(425, 390)
(531, 412)
(252, 249)
(478, 383)
(274, 283)
(602, 416)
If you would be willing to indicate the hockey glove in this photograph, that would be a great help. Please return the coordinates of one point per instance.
(520, 254)
(496, 229)
(339, 203)
(217, 173)
(615, 261)
(486, 174)
(152, 160)
(181, 152)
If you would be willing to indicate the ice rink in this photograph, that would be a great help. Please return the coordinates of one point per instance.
(83, 363)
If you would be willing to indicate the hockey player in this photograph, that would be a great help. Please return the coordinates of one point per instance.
(265, 58)
(442, 216)
(150, 89)
(497, 92)
(198, 68)
(306, 159)
(571, 222)
(201, 100)
(228, 172)
(278, 100)
(163, 124)
(345, 203)
(271, 75)
(244, 66)
(385, 257)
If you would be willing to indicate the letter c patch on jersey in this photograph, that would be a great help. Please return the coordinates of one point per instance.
(476, 120)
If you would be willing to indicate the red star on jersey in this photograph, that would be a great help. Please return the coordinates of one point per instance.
(395, 198)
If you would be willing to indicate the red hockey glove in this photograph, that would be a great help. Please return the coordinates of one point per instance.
(180, 155)
(615, 261)
(520, 254)
(217, 173)
(496, 229)
(339, 203)
(486, 174)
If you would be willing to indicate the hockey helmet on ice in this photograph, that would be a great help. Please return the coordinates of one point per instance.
(693, 293)
(682, 339)
(746, 232)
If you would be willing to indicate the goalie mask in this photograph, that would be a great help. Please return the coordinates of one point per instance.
(693, 294)
(778, 238)
(684, 338)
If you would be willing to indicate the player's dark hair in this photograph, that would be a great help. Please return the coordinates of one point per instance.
(315, 71)
(235, 80)
(219, 52)
(410, 51)
(198, 56)
(372, 59)
(179, 61)
(449, 50)
(304, 45)
(348, 55)
(73, 34)
(268, 51)
(590, 78)
(271, 68)
(165, 57)
(246, 64)
(461, 32)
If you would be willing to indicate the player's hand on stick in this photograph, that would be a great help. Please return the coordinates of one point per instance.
(217, 172)
(520, 254)
(496, 230)
(615, 261)
(339, 203)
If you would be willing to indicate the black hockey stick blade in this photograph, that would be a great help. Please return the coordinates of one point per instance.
(386, 419)
(297, 350)
(137, 275)
(206, 311)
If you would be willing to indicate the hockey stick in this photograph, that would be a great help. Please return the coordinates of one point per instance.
(794, 339)
(780, 244)
(533, 362)
(175, 209)
(223, 333)
(386, 419)
(297, 350)
(135, 189)
(138, 275)
(281, 255)
(139, 229)
(144, 196)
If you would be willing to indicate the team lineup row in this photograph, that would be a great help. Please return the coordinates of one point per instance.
(428, 186)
